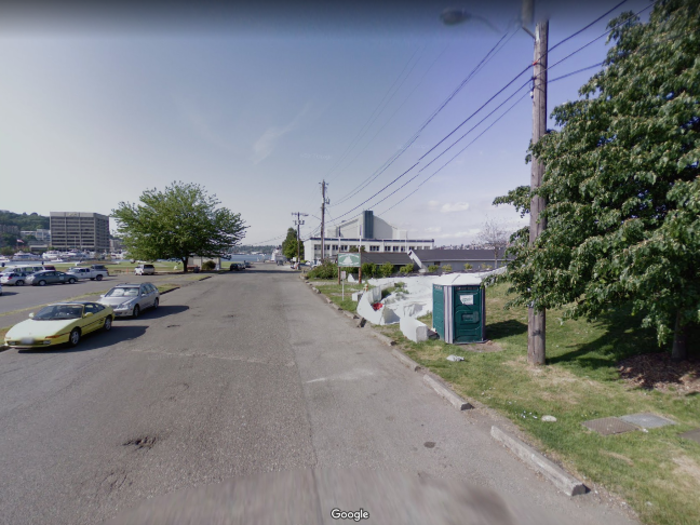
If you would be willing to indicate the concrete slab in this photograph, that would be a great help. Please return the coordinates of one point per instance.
(449, 395)
(693, 435)
(609, 425)
(647, 420)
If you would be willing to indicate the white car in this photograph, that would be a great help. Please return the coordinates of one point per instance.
(14, 278)
(145, 269)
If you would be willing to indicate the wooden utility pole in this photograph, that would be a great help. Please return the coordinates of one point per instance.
(323, 220)
(298, 223)
(536, 321)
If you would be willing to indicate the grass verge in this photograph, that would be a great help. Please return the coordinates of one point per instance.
(334, 291)
(656, 472)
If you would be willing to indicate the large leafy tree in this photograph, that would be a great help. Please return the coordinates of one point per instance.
(622, 184)
(181, 221)
(289, 245)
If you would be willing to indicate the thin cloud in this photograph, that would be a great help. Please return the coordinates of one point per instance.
(451, 207)
(265, 145)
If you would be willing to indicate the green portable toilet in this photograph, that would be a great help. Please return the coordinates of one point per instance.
(459, 309)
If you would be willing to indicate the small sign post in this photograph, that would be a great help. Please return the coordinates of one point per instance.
(348, 260)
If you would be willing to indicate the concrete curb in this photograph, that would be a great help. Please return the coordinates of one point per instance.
(405, 360)
(384, 339)
(551, 471)
(449, 395)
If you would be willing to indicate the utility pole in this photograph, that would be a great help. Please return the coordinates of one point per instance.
(323, 220)
(536, 321)
(298, 223)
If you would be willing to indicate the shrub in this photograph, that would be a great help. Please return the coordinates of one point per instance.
(208, 265)
(468, 267)
(369, 270)
(386, 269)
(433, 268)
(446, 268)
(327, 270)
(405, 270)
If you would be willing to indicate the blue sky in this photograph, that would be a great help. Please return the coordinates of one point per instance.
(260, 106)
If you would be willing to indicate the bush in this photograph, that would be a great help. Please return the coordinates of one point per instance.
(327, 270)
(369, 270)
(208, 265)
(386, 269)
(433, 268)
(468, 267)
(446, 268)
(405, 270)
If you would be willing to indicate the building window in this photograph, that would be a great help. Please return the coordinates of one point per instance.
(374, 248)
(395, 248)
(344, 248)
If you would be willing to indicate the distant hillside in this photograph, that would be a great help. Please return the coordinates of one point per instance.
(31, 221)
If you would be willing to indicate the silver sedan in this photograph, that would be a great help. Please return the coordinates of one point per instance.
(131, 299)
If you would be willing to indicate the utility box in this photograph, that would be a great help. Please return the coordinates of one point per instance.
(459, 310)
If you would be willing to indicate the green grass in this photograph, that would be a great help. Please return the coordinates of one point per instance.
(334, 291)
(656, 472)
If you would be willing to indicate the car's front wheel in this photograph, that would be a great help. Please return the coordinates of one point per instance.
(108, 324)
(42, 283)
(74, 337)
(71, 281)
(99, 277)
(156, 303)
(19, 283)
(137, 311)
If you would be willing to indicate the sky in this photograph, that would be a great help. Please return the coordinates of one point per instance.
(260, 102)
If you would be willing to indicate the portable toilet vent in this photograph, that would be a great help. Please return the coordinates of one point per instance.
(459, 309)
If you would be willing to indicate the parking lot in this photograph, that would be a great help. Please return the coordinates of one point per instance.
(22, 297)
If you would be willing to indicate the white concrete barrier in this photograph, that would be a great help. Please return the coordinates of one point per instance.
(414, 329)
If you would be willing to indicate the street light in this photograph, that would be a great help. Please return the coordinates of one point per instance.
(536, 321)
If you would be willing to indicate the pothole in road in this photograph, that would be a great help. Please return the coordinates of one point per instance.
(172, 326)
(229, 316)
(429, 444)
(143, 442)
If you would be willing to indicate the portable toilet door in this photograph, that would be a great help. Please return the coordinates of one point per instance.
(469, 318)
(439, 310)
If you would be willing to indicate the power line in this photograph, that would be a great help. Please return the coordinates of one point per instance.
(486, 103)
(489, 55)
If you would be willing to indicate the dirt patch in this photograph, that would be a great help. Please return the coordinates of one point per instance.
(689, 469)
(617, 456)
(658, 372)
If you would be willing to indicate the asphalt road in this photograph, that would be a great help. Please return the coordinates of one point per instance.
(221, 401)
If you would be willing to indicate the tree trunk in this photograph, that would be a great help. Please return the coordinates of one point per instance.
(680, 340)
(184, 265)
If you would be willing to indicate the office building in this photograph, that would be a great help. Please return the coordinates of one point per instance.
(71, 230)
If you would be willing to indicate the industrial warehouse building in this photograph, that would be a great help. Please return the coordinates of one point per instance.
(71, 230)
(375, 234)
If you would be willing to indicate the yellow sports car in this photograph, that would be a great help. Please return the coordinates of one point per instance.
(60, 323)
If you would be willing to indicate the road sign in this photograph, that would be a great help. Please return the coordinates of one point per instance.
(349, 260)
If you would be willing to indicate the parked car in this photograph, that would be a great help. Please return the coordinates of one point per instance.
(88, 273)
(129, 299)
(50, 277)
(236, 267)
(0, 289)
(145, 269)
(60, 323)
(100, 268)
(247, 264)
(14, 278)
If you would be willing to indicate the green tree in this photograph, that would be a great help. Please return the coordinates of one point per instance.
(622, 184)
(181, 221)
(405, 270)
(289, 245)
(369, 270)
(386, 269)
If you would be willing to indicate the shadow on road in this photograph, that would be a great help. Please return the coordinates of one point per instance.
(161, 311)
(93, 341)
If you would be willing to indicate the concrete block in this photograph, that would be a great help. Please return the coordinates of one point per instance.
(414, 329)
(384, 339)
(449, 395)
(561, 479)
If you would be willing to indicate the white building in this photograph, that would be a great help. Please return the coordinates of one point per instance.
(375, 234)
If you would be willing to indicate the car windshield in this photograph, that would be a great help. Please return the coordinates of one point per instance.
(59, 311)
(123, 292)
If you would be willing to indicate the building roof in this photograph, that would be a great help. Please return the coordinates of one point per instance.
(427, 256)
(379, 258)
